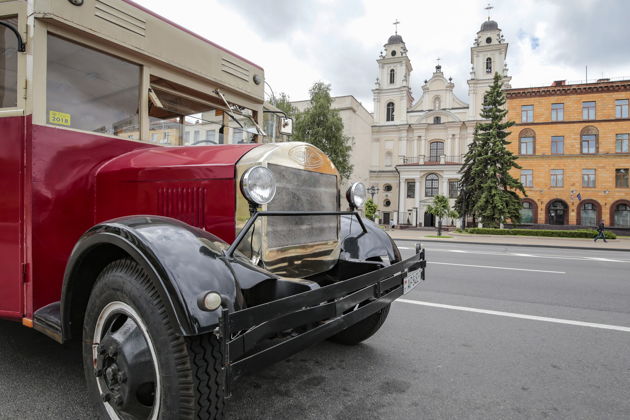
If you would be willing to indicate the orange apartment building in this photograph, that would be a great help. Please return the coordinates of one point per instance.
(572, 144)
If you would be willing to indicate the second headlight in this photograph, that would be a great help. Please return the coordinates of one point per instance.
(356, 195)
(258, 185)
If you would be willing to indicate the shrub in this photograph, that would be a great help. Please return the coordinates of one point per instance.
(581, 233)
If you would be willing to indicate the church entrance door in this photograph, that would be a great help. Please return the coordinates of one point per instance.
(429, 220)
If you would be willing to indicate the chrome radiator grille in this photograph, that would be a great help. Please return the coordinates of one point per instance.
(300, 190)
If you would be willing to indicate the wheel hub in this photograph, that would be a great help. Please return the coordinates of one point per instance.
(125, 369)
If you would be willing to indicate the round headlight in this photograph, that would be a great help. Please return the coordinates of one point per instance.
(258, 185)
(356, 195)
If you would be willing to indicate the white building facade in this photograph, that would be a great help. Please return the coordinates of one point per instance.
(417, 148)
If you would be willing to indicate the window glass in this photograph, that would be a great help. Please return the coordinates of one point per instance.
(390, 111)
(621, 178)
(387, 187)
(90, 90)
(588, 110)
(557, 145)
(527, 113)
(527, 213)
(557, 112)
(527, 145)
(557, 177)
(527, 177)
(180, 120)
(436, 149)
(588, 178)
(411, 189)
(621, 108)
(8, 64)
(488, 65)
(622, 216)
(589, 143)
(588, 215)
(431, 185)
(621, 145)
(453, 189)
(392, 76)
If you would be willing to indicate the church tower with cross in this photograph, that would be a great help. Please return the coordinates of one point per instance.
(392, 92)
(487, 56)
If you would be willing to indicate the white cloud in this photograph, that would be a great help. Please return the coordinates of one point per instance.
(300, 42)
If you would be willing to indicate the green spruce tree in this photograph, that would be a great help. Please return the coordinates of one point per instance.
(322, 126)
(490, 189)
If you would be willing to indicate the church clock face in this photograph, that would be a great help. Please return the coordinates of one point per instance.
(488, 40)
(393, 53)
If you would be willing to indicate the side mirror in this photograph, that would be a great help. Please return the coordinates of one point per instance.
(286, 126)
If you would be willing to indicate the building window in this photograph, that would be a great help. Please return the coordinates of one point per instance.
(621, 108)
(411, 189)
(387, 188)
(527, 113)
(436, 149)
(622, 143)
(588, 178)
(390, 111)
(588, 215)
(166, 137)
(588, 110)
(622, 216)
(488, 65)
(527, 212)
(527, 177)
(589, 140)
(387, 203)
(557, 178)
(453, 189)
(431, 185)
(557, 145)
(527, 141)
(557, 112)
(186, 137)
(621, 178)
(437, 120)
(392, 76)
(154, 137)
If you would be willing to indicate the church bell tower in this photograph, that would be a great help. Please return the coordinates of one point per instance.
(392, 93)
(487, 56)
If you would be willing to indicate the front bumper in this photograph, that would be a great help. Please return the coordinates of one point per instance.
(311, 316)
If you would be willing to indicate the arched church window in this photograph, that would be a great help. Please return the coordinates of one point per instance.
(431, 188)
(437, 120)
(390, 111)
(488, 65)
(436, 149)
(392, 76)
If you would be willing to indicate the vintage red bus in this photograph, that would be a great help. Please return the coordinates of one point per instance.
(143, 213)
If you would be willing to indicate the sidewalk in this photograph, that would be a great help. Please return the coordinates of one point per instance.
(622, 244)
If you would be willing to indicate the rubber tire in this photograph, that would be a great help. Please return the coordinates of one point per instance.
(362, 330)
(191, 377)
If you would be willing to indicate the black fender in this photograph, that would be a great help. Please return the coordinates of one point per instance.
(358, 245)
(183, 262)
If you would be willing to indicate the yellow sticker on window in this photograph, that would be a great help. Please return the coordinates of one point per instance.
(55, 117)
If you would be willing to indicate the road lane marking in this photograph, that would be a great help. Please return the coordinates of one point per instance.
(517, 254)
(498, 268)
(515, 315)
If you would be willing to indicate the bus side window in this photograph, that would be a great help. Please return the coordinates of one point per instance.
(8, 64)
(90, 90)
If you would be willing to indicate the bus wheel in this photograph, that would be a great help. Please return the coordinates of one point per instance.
(136, 365)
(362, 330)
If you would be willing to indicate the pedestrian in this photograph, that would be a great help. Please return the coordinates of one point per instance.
(391, 224)
(600, 232)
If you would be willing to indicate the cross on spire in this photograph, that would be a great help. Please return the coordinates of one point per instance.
(396, 23)
(438, 60)
(488, 8)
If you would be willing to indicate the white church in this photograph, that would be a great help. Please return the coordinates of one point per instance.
(417, 148)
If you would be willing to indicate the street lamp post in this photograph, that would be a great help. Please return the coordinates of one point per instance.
(372, 190)
(463, 193)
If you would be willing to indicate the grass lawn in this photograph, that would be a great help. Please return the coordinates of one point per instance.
(435, 236)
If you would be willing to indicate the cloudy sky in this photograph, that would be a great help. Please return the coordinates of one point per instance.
(299, 42)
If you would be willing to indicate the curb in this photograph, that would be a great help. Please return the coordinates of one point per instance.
(513, 244)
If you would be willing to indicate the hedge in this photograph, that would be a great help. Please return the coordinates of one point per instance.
(582, 233)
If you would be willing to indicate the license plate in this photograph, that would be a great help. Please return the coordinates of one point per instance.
(412, 280)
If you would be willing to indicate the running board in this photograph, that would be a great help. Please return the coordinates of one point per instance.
(48, 321)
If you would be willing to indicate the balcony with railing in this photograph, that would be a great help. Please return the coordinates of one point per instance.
(431, 160)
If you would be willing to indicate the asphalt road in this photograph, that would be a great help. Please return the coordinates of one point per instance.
(494, 333)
